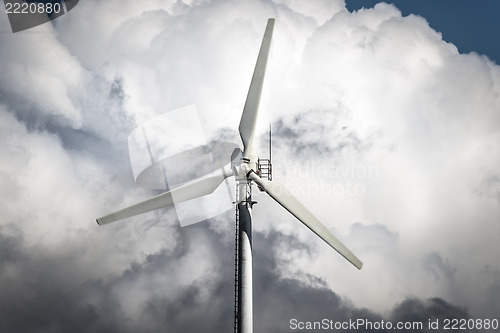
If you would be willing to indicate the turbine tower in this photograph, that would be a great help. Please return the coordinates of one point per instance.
(246, 167)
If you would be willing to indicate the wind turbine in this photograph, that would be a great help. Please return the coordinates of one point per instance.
(246, 167)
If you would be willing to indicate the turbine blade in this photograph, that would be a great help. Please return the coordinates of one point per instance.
(297, 209)
(250, 111)
(195, 189)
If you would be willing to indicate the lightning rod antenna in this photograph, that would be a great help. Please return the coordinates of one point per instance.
(269, 142)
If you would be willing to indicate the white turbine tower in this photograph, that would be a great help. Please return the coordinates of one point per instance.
(246, 168)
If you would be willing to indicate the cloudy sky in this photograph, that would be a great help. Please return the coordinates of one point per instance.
(383, 127)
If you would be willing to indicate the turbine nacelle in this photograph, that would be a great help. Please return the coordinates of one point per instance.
(251, 162)
(241, 171)
(241, 166)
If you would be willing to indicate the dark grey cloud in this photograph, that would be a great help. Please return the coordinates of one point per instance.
(36, 296)
(439, 268)
(106, 125)
(42, 299)
(10, 245)
(489, 187)
(415, 310)
(317, 134)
